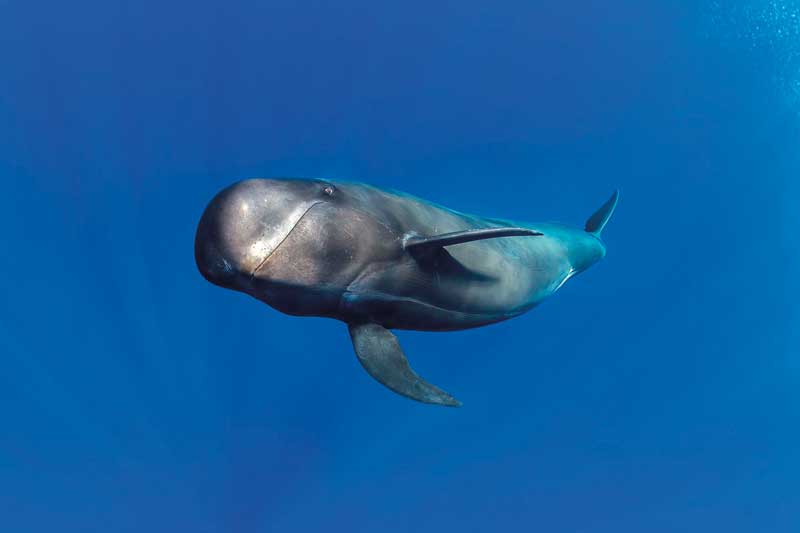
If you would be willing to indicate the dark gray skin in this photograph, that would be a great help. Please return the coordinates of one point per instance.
(380, 260)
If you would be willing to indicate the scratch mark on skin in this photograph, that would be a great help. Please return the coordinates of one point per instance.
(263, 261)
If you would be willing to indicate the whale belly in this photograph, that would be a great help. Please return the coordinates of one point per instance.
(399, 312)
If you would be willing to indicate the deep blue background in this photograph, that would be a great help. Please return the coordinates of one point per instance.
(657, 392)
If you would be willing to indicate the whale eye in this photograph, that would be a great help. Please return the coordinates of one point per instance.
(328, 190)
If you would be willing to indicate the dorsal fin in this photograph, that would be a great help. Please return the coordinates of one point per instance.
(598, 220)
(415, 242)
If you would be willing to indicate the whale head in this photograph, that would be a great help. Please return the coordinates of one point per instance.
(294, 244)
(246, 222)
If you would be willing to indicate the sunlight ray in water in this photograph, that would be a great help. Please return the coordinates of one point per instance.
(768, 29)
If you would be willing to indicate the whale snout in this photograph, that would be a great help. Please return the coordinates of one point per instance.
(227, 230)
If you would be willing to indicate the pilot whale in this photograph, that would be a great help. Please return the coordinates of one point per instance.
(380, 260)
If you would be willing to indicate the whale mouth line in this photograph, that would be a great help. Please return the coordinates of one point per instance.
(283, 239)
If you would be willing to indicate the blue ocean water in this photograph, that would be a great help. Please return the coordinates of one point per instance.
(656, 392)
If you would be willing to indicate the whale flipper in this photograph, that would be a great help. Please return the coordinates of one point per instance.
(418, 242)
(382, 357)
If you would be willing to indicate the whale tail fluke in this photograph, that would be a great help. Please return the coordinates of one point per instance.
(598, 220)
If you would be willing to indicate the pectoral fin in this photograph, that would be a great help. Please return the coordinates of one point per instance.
(418, 243)
(382, 357)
